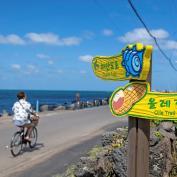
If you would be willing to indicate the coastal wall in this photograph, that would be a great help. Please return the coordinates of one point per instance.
(75, 105)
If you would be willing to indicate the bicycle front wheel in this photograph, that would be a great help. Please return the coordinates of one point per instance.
(16, 144)
(33, 137)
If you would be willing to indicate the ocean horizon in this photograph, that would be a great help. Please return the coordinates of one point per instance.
(48, 97)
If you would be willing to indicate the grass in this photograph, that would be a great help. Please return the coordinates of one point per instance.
(69, 172)
(158, 134)
(94, 151)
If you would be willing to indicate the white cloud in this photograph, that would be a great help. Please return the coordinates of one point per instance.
(42, 56)
(174, 53)
(70, 41)
(88, 34)
(59, 71)
(171, 44)
(47, 38)
(16, 67)
(52, 39)
(141, 35)
(160, 33)
(43, 38)
(86, 58)
(31, 69)
(107, 32)
(83, 72)
(50, 62)
(11, 39)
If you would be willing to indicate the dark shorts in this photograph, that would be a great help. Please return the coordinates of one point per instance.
(22, 122)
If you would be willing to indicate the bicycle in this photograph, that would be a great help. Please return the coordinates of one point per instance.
(18, 140)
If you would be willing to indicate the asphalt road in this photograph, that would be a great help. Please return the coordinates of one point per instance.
(63, 138)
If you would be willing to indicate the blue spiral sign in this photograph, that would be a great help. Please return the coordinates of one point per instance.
(132, 61)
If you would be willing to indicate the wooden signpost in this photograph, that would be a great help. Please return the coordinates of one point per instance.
(138, 143)
(134, 64)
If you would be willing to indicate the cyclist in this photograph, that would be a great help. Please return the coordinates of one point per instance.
(23, 114)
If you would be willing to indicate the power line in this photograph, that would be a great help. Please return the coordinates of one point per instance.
(145, 26)
(151, 35)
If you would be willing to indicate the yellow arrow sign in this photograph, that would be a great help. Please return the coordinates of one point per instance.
(132, 63)
(136, 100)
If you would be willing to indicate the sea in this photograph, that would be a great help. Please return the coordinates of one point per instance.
(47, 97)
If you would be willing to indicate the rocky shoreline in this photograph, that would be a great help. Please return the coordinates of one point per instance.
(110, 159)
(75, 105)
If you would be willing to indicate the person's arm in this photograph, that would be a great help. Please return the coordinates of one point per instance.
(33, 113)
(30, 109)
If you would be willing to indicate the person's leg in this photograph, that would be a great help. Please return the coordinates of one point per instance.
(29, 130)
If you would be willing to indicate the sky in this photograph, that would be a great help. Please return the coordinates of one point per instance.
(49, 44)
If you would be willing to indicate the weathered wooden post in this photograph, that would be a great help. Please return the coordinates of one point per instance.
(138, 143)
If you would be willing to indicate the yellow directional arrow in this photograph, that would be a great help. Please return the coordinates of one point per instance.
(135, 99)
(132, 63)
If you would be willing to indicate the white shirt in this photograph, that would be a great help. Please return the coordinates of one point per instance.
(20, 109)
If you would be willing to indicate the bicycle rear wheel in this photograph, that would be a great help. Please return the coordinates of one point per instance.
(16, 144)
(33, 137)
